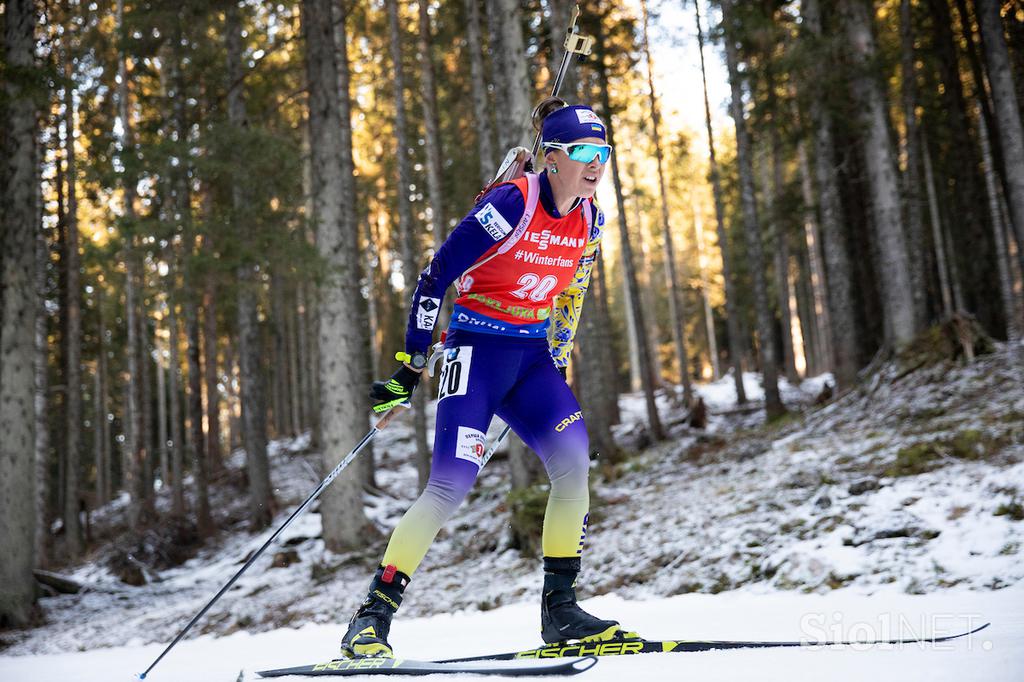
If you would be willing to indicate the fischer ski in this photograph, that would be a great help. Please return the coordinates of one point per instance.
(404, 666)
(628, 647)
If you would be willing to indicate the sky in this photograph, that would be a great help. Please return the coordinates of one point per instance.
(677, 78)
(673, 37)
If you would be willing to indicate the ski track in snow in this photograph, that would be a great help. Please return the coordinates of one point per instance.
(751, 536)
(994, 655)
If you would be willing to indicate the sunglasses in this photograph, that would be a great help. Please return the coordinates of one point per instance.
(584, 152)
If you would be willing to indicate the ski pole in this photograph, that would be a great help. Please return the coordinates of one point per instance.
(576, 43)
(494, 446)
(383, 422)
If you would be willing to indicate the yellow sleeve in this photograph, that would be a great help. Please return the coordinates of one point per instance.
(565, 312)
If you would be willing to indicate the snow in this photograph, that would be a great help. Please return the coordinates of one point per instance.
(742, 530)
(994, 654)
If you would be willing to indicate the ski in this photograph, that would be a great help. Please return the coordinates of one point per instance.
(628, 647)
(404, 666)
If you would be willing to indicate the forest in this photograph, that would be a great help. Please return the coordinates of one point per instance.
(213, 213)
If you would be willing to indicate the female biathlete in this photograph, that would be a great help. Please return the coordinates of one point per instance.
(521, 261)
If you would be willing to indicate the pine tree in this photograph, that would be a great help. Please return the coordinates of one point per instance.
(19, 220)
(728, 268)
(751, 226)
(1007, 110)
(341, 419)
(254, 426)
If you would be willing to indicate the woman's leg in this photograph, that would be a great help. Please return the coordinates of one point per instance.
(543, 411)
(473, 382)
(472, 385)
(545, 414)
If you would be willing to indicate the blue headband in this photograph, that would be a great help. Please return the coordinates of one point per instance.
(571, 123)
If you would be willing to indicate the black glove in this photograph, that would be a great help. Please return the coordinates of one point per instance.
(396, 390)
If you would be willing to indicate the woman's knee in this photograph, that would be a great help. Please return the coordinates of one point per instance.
(568, 468)
(447, 492)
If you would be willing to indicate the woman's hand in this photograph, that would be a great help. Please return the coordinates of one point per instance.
(396, 390)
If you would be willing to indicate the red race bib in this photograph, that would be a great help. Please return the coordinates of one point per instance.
(516, 280)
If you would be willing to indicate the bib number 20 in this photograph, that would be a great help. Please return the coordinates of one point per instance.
(534, 287)
(454, 378)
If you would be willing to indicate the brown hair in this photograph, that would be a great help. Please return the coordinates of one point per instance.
(547, 106)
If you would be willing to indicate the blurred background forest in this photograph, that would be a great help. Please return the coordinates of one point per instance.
(212, 214)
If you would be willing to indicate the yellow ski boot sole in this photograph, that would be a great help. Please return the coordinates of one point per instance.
(612, 634)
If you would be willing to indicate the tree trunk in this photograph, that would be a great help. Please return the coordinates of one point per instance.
(62, 331)
(732, 314)
(481, 111)
(194, 411)
(19, 220)
(304, 371)
(815, 261)
(636, 379)
(213, 449)
(177, 427)
(254, 425)
(292, 355)
(773, 190)
(105, 465)
(594, 378)
(838, 269)
(982, 94)
(350, 224)
(803, 306)
(432, 139)
(675, 302)
(513, 84)
(234, 428)
(893, 263)
(42, 413)
(558, 22)
(73, 356)
(146, 404)
(705, 296)
(912, 174)
(161, 425)
(772, 181)
(629, 272)
(751, 227)
(972, 249)
(1011, 302)
(941, 262)
(1007, 110)
(342, 420)
(432, 134)
(250, 367)
(607, 353)
(407, 233)
(131, 474)
(279, 372)
(643, 265)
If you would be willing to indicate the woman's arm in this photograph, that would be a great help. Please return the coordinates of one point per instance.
(565, 312)
(489, 222)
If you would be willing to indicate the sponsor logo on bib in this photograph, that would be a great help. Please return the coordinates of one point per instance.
(493, 222)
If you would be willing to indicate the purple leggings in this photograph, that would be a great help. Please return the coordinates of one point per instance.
(486, 375)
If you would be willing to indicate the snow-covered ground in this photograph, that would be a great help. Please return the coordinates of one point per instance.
(901, 497)
(993, 655)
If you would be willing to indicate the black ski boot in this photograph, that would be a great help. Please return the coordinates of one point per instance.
(561, 618)
(367, 633)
